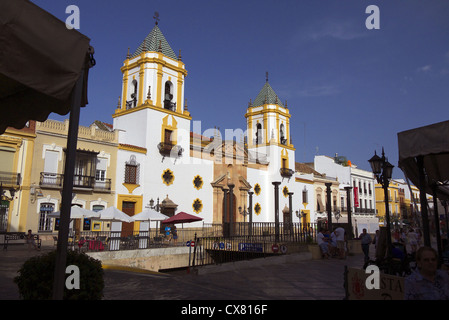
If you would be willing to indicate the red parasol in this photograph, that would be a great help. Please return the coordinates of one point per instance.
(182, 217)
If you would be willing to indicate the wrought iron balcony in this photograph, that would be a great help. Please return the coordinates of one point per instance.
(286, 172)
(10, 178)
(170, 150)
(55, 180)
(51, 180)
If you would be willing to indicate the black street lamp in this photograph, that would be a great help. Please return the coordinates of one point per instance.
(383, 171)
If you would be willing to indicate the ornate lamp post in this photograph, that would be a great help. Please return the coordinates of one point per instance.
(348, 200)
(152, 206)
(276, 209)
(250, 213)
(383, 171)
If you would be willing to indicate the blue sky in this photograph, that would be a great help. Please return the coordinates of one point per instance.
(350, 90)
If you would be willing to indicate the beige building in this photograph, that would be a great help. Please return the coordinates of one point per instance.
(95, 172)
(320, 194)
(16, 156)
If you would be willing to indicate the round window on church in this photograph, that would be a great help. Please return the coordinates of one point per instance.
(285, 191)
(257, 208)
(197, 205)
(168, 177)
(198, 182)
(257, 189)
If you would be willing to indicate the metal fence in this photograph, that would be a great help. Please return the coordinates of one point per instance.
(266, 231)
(212, 242)
(248, 241)
(110, 240)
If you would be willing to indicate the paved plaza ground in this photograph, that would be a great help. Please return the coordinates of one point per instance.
(273, 278)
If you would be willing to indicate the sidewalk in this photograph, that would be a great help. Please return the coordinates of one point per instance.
(273, 278)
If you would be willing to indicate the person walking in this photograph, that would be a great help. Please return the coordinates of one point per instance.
(376, 239)
(365, 240)
(333, 244)
(412, 240)
(174, 232)
(340, 233)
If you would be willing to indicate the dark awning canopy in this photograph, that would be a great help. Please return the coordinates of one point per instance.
(40, 62)
(432, 144)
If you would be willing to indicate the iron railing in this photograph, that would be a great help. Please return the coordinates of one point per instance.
(9, 178)
(258, 232)
(55, 180)
(295, 232)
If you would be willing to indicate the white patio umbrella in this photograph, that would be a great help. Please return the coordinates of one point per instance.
(114, 214)
(149, 215)
(76, 212)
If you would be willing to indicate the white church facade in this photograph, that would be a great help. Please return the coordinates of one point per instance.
(159, 157)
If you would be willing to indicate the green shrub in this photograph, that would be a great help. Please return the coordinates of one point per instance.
(35, 279)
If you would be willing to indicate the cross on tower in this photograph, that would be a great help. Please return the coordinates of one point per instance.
(156, 17)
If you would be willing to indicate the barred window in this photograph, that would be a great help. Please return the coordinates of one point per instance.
(304, 196)
(44, 221)
(132, 171)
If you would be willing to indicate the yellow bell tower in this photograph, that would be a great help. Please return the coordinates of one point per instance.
(153, 77)
(151, 111)
(268, 120)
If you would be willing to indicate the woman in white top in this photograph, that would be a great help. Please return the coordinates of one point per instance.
(413, 240)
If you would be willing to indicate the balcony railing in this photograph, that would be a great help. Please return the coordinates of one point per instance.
(55, 180)
(170, 150)
(364, 210)
(10, 178)
(286, 172)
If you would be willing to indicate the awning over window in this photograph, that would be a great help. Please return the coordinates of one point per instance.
(40, 62)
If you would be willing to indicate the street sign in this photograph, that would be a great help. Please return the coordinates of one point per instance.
(283, 248)
(188, 243)
(275, 248)
(251, 247)
(192, 243)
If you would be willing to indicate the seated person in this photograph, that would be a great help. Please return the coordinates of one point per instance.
(30, 240)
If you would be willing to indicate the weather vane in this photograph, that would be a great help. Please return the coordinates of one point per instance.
(156, 17)
(266, 76)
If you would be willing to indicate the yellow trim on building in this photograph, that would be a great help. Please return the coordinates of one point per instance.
(132, 148)
(173, 128)
(131, 186)
(159, 61)
(284, 156)
(179, 91)
(149, 106)
(138, 200)
(266, 110)
(303, 180)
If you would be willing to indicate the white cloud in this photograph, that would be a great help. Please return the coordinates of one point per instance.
(340, 30)
(318, 91)
(425, 68)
